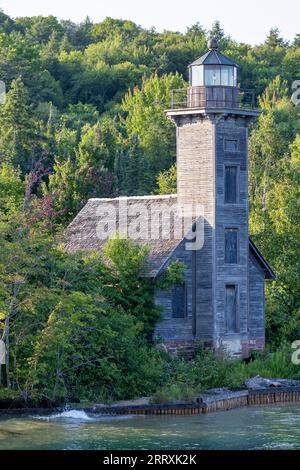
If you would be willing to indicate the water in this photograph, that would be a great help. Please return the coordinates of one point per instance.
(269, 427)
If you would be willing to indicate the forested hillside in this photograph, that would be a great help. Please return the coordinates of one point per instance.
(84, 117)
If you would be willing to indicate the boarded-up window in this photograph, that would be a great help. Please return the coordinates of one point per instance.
(231, 308)
(231, 145)
(231, 182)
(179, 300)
(231, 245)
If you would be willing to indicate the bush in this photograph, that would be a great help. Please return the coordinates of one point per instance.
(207, 370)
(90, 351)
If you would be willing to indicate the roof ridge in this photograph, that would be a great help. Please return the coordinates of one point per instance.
(152, 196)
(217, 55)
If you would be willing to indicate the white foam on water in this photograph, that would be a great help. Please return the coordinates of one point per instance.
(78, 415)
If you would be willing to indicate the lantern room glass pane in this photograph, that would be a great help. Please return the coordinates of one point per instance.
(212, 75)
(228, 76)
(196, 78)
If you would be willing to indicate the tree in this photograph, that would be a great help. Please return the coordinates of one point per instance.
(274, 196)
(85, 341)
(133, 170)
(296, 42)
(22, 246)
(195, 30)
(124, 286)
(144, 117)
(167, 181)
(11, 187)
(16, 125)
(274, 39)
(7, 25)
(40, 28)
(275, 91)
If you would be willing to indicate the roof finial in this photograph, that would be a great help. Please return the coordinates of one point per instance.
(212, 44)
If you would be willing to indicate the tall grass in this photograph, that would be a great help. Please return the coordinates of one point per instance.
(186, 379)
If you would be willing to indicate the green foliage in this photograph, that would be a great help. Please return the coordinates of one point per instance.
(185, 379)
(8, 393)
(89, 350)
(275, 91)
(77, 327)
(174, 274)
(167, 181)
(125, 287)
(11, 187)
(145, 117)
(274, 207)
(84, 117)
(132, 170)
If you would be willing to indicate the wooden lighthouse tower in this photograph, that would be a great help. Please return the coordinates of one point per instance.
(212, 170)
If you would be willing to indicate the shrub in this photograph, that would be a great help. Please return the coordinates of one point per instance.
(207, 370)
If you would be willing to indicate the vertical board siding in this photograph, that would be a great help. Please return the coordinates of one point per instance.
(256, 303)
(203, 154)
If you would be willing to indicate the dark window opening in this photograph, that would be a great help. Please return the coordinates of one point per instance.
(231, 245)
(179, 299)
(231, 145)
(231, 308)
(231, 180)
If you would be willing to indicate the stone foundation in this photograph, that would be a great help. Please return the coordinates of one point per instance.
(179, 347)
(237, 347)
(251, 345)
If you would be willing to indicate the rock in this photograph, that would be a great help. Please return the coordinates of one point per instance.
(259, 383)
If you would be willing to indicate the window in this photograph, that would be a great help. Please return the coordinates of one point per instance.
(227, 76)
(179, 298)
(231, 184)
(231, 291)
(231, 245)
(196, 75)
(212, 75)
(230, 145)
(215, 75)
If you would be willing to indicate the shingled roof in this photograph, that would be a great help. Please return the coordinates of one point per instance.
(83, 234)
(213, 57)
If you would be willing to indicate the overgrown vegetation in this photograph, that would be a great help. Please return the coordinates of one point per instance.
(84, 117)
(185, 379)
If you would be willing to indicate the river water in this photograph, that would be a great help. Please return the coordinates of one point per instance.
(268, 427)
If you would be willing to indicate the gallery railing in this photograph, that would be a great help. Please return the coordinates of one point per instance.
(212, 97)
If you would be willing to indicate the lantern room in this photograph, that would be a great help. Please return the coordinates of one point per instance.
(213, 80)
(213, 69)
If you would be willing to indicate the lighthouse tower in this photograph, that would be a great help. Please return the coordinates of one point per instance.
(212, 170)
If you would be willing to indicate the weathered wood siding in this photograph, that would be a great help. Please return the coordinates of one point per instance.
(206, 143)
(176, 329)
(231, 216)
(256, 301)
(195, 184)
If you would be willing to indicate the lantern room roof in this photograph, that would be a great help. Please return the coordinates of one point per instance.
(213, 57)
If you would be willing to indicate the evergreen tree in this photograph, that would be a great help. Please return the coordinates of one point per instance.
(274, 39)
(16, 126)
(136, 181)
